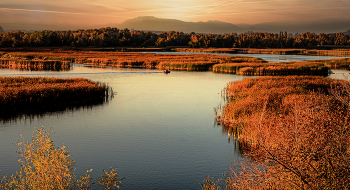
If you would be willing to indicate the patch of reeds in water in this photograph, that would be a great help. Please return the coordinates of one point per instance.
(240, 65)
(30, 95)
(207, 50)
(273, 69)
(271, 100)
(295, 127)
(34, 64)
(139, 60)
(278, 51)
(281, 51)
(342, 63)
(246, 98)
(199, 66)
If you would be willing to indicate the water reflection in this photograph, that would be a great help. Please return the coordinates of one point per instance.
(30, 112)
(57, 111)
(266, 57)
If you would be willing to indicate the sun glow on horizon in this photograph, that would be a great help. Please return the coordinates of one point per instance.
(90, 13)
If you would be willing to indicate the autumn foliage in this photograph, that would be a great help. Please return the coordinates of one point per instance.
(273, 69)
(294, 128)
(192, 62)
(28, 94)
(114, 37)
(46, 167)
(315, 67)
(33, 65)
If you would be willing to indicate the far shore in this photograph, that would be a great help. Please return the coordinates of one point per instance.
(241, 65)
(341, 51)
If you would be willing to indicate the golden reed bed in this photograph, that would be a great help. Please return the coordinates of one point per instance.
(192, 62)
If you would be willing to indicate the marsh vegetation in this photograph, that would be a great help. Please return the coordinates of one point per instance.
(28, 95)
(34, 65)
(240, 65)
(294, 128)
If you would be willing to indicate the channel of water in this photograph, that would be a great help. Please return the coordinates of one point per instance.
(159, 129)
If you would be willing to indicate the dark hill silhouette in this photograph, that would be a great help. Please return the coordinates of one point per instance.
(158, 25)
(1, 30)
(149, 23)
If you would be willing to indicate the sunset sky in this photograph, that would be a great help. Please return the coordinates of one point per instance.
(89, 13)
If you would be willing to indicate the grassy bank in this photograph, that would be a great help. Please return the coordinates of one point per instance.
(273, 69)
(240, 65)
(191, 62)
(320, 52)
(35, 64)
(315, 67)
(295, 128)
(208, 50)
(279, 51)
(28, 95)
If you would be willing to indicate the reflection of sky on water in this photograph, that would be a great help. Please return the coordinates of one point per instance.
(84, 71)
(285, 58)
(158, 129)
(266, 57)
(340, 74)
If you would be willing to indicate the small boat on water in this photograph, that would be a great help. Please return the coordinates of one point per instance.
(166, 71)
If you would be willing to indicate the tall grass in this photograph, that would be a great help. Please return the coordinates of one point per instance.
(240, 65)
(279, 51)
(294, 128)
(141, 60)
(207, 50)
(274, 69)
(32, 94)
(36, 64)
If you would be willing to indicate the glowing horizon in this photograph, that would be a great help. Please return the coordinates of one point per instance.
(84, 13)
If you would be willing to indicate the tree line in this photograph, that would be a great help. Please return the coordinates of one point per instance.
(114, 37)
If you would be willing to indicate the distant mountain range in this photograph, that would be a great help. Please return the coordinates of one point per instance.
(149, 23)
(1, 30)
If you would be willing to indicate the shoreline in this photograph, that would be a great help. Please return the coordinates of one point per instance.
(30, 95)
(341, 51)
(242, 65)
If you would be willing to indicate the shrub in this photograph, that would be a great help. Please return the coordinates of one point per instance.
(46, 167)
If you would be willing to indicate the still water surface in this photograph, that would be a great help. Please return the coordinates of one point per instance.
(266, 57)
(158, 129)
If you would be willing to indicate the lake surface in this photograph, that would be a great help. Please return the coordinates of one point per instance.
(159, 129)
(266, 57)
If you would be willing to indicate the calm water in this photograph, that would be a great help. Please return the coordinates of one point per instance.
(267, 57)
(158, 129)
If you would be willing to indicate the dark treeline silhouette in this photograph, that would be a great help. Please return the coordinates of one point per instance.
(113, 37)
